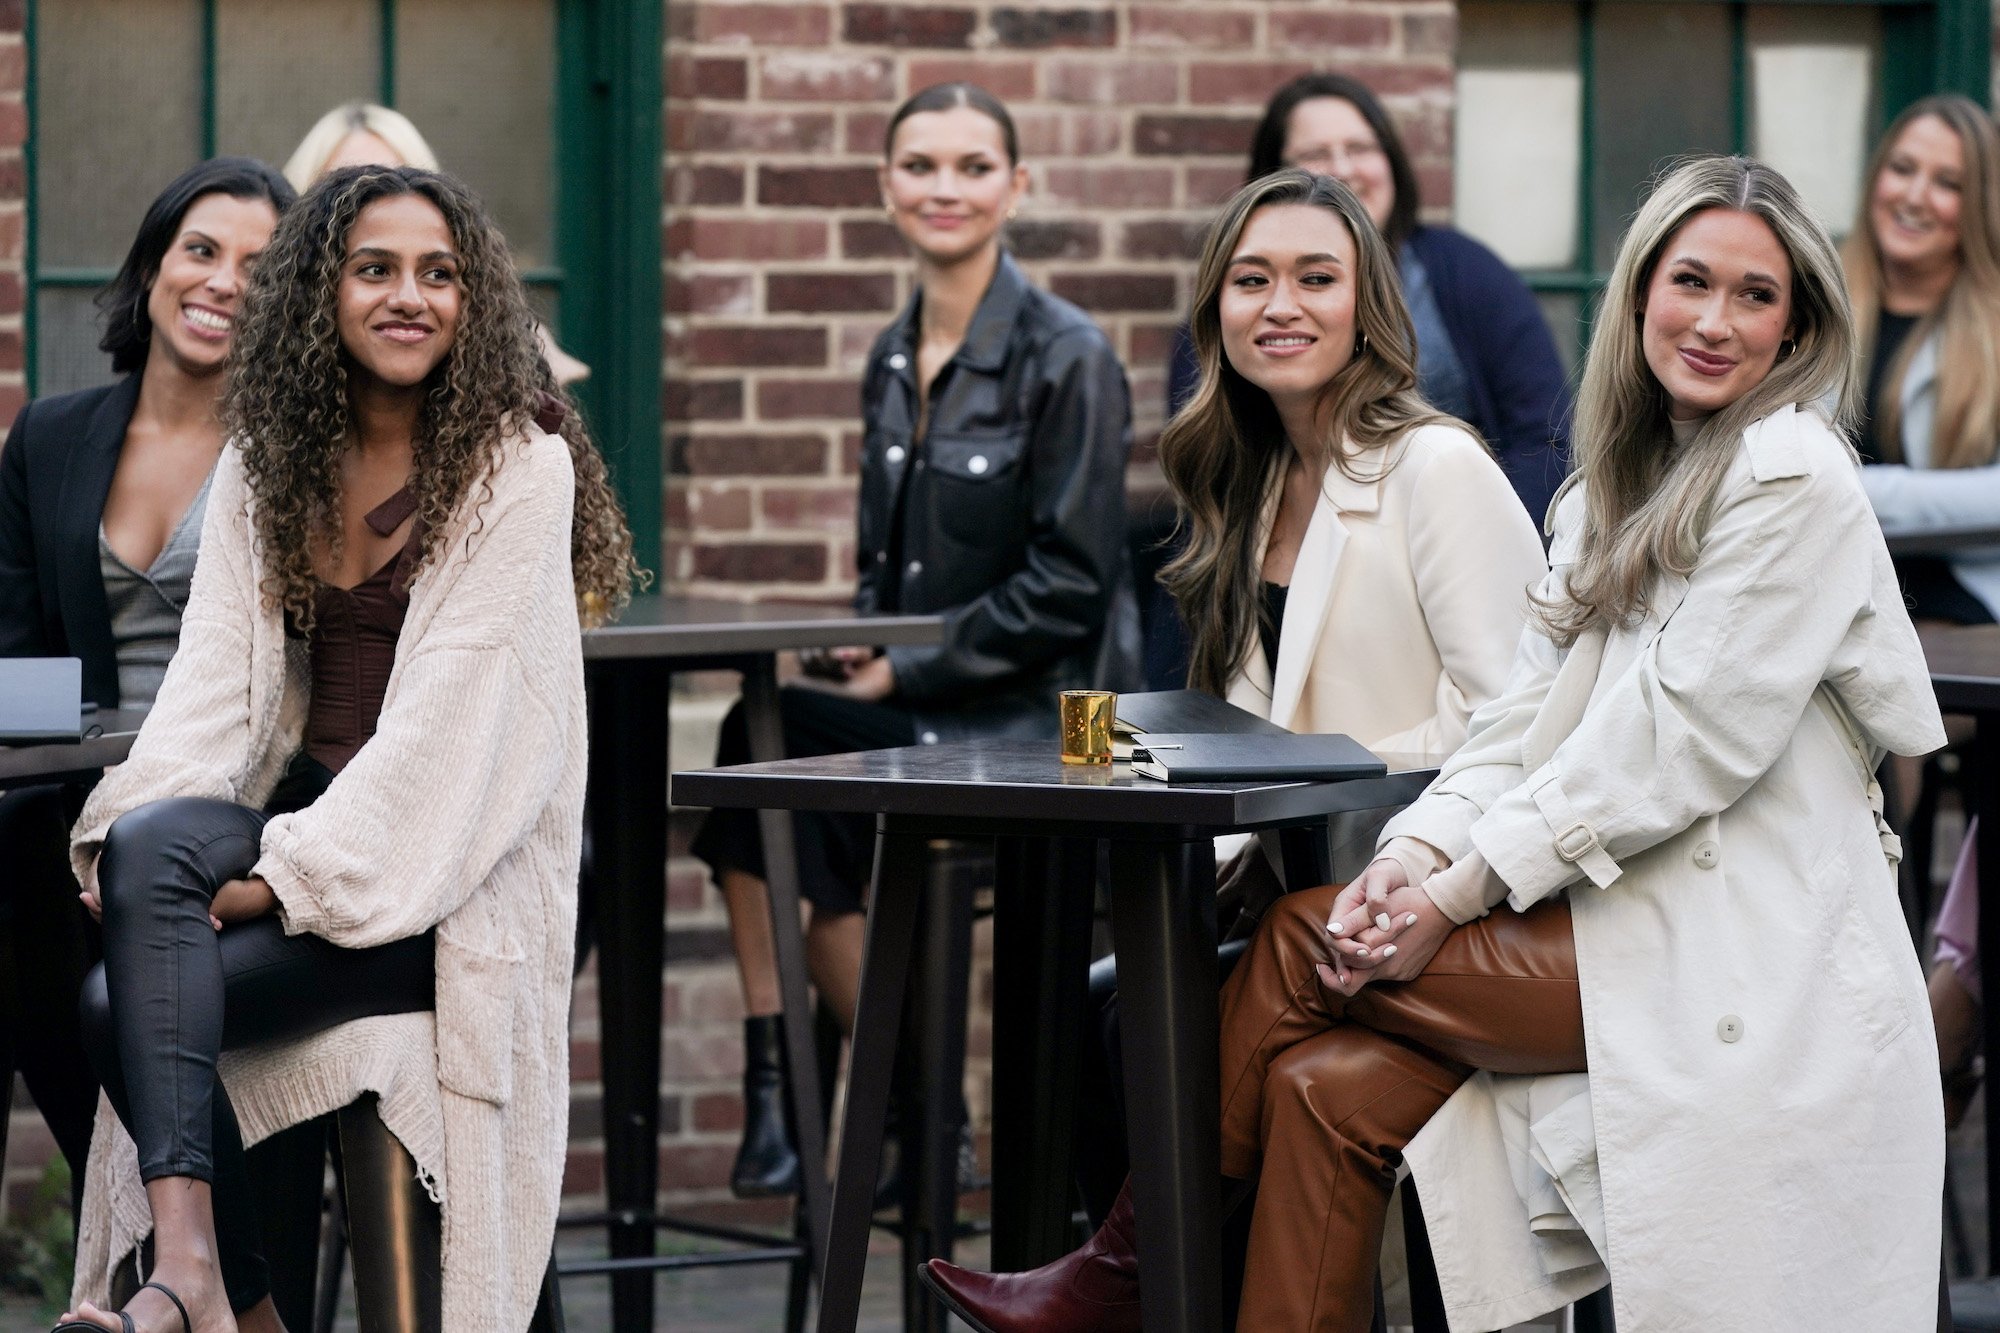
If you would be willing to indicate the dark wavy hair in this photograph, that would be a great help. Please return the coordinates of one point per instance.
(128, 329)
(1267, 146)
(287, 398)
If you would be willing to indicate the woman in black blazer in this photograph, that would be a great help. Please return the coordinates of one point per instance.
(101, 494)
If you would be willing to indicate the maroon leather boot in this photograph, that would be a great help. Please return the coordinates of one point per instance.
(1093, 1290)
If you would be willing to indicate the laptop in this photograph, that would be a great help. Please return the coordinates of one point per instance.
(41, 700)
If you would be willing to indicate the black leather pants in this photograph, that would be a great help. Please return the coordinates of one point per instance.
(173, 993)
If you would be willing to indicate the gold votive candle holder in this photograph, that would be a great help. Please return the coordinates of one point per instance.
(1086, 725)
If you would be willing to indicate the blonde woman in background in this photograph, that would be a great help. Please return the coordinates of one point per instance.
(362, 134)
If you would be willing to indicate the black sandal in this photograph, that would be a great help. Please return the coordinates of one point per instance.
(79, 1326)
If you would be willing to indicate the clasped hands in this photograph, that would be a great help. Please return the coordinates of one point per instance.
(237, 900)
(860, 673)
(1382, 928)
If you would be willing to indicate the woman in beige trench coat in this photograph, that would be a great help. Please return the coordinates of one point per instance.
(1628, 988)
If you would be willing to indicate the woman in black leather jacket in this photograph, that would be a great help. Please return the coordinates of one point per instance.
(997, 424)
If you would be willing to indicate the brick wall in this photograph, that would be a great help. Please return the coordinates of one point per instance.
(1135, 120)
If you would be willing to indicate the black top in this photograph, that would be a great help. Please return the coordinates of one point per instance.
(55, 475)
(1271, 628)
(1891, 332)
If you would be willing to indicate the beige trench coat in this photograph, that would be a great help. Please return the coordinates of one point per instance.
(1761, 1145)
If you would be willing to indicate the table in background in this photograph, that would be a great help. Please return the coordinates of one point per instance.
(1942, 541)
(1162, 888)
(629, 667)
(114, 730)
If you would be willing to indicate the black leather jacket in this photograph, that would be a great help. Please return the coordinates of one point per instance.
(1012, 514)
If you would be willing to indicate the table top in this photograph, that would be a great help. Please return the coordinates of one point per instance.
(26, 765)
(1941, 541)
(1027, 781)
(1965, 665)
(667, 626)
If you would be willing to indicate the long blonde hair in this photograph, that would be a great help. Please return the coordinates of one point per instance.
(1967, 426)
(309, 159)
(1226, 448)
(1646, 500)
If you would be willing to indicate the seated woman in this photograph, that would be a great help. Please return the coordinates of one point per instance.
(102, 494)
(996, 428)
(1654, 860)
(382, 641)
(1483, 350)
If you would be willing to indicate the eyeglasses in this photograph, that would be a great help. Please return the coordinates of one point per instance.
(1323, 157)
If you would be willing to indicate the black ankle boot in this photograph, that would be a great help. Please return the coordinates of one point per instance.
(768, 1163)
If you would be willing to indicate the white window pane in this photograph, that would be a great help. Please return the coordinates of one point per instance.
(1519, 120)
(1813, 86)
(281, 65)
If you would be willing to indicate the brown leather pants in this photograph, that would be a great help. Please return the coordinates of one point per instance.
(1325, 1091)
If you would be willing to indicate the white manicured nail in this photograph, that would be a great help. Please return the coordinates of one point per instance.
(1410, 920)
(1361, 949)
(1382, 921)
(1389, 952)
(1336, 929)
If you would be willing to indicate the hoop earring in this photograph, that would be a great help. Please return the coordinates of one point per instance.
(1361, 346)
(1786, 348)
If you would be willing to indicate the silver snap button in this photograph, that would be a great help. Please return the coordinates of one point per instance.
(976, 464)
(881, 557)
(1730, 1029)
(930, 738)
(915, 567)
(894, 453)
(898, 361)
(1706, 855)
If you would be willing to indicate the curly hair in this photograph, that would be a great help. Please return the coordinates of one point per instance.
(287, 398)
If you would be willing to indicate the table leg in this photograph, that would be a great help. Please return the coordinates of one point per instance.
(628, 814)
(1163, 922)
(1986, 785)
(885, 967)
(781, 875)
(934, 1043)
(1042, 900)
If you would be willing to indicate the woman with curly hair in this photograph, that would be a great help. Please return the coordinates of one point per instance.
(342, 857)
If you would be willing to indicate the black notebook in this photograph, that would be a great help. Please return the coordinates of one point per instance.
(1189, 757)
(1189, 711)
(41, 700)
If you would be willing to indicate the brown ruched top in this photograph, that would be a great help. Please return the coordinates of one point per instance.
(353, 646)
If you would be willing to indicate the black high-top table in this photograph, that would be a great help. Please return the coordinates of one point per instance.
(1160, 844)
(109, 736)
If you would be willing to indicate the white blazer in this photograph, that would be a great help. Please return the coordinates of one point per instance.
(1759, 1142)
(1407, 598)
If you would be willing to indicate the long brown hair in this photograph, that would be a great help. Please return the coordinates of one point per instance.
(1968, 321)
(1226, 449)
(1646, 499)
(287, 405)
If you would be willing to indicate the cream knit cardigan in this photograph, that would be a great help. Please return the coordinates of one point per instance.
(464, 812)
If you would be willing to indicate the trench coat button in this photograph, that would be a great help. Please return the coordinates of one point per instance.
(929, 738)
(898, 361)
(1706, 855)
(915, 567)
(976, 465)
(881, 557)
(894, 453)
(1730, 1029)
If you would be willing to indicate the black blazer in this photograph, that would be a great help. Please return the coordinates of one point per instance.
(55, 474)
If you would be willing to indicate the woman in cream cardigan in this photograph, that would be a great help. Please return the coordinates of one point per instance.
(1629, 992)
(381, 643)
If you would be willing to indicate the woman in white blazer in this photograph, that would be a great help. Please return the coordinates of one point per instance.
(1629, 991)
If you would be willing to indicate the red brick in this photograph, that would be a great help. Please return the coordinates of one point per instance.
(907, 25)
(1182, 29)
(798, 76)
(705, 185)
(1034, 238)
(12, 355)
(829, 292)
(760, 562)
(13, 123)
(772, 455)
(819, 187)
(702, 400)
(675, 509)
(710, 238)
(828, 508)
(583, 1171)
(762, 25)
(1396, 80)
(1112, 187)
(1165, 238)
(13, 66)
(13, 15)
(1324, 28)
(1112, 82)
(808, 400)
(1116, 291)
(1041, 28)
(717, 1112)
(871, 238)
(850, 453)
(1209, 185)
(1070, 131)
(688, 1055)
(686, 889)
(13, 397)
(724, 78)
(10, 293)
(1186, 136)
(756, 346)
(1150, 344)
(585, 1060)
(1430, 34)
(13, 176)
(709, 294)
(719, 508)
(1434, 187)
(1009, 80)
(1240, 82)
(695, 1166)
(867, 133)
(761, 132)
